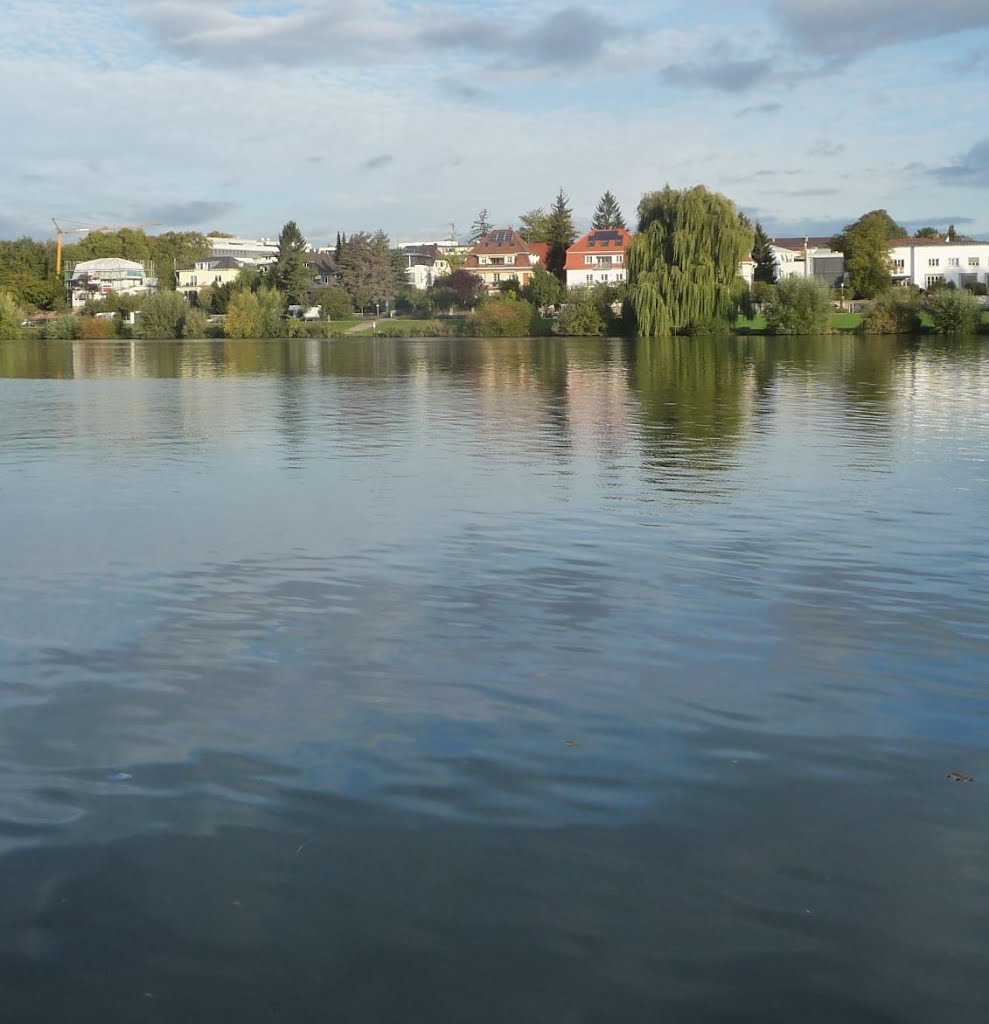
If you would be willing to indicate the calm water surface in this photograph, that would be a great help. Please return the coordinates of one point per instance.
(494, 681)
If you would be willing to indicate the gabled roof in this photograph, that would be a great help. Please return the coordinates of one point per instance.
(597, 243)
(501, 242)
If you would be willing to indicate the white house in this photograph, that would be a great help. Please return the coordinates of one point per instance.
(425, 262)
(94, 279)
(599, 257)
(925, 262)
(808, 257)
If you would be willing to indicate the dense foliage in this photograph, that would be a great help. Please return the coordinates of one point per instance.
(255, 314)
(865, 245)
(798, 305)
(683, 264)
(896, 311)
(10, 316)
(504, 316)
(954, 312)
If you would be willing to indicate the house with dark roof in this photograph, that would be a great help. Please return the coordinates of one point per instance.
(504, 255)
(599, 257)
(210, 273)
(323, 267)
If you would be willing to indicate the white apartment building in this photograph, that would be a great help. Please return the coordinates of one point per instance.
(926, 262)
(94, 279)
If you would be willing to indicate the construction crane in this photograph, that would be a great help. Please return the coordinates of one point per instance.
(61, 232)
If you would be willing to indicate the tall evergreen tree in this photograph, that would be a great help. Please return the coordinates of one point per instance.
(480, 227)
(292, 276)
(608, 214)
(683, 264)
(762, 253)
(560, 234)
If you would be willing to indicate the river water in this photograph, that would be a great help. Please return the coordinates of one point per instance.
(494, 681)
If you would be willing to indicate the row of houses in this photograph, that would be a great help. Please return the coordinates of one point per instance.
(503, 255)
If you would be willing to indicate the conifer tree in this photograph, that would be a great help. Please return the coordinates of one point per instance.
(765, 259)
(608, 214)
(560, 234)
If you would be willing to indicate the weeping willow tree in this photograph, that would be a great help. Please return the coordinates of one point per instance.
(683, 265)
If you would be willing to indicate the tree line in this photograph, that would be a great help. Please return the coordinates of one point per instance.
(683, 276)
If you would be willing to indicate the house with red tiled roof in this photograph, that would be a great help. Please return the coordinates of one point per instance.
(599, 257)
(504, 255)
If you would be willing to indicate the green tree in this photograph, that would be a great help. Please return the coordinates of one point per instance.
(799, 305)
(334, 303)
(765, 258)
(504, 316)
(560, 234)
(608, 215)
(11, 316)
(291, 275)
(683, 264)
(63, 328)
(255, 314)
(534, 225)
(896, 311)
(865, 245)
(954, 312)
(544, 289)
(582, 315)
(194, 324)
(480, 227)
(927, 233)
(367, 270)
(162, 316)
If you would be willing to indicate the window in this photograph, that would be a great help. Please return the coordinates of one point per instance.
(973, 261)
(934, 261)
(952, 261)
(497, 278)
(484, 261)
(899, 266)
(589, 260)
(618, 258)
(590, 279)
(933, 279)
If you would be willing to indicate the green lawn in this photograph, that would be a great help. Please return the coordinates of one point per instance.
(839, 322)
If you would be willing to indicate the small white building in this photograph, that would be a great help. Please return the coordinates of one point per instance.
(926, 262)
(424, 263)
(808, 257)
(95, 279)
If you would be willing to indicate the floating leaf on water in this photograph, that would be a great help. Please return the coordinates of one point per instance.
(960, 777)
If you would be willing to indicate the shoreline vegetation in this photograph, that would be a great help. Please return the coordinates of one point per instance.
(682, 276)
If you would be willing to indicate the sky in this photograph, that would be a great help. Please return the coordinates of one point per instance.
(412, 115)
